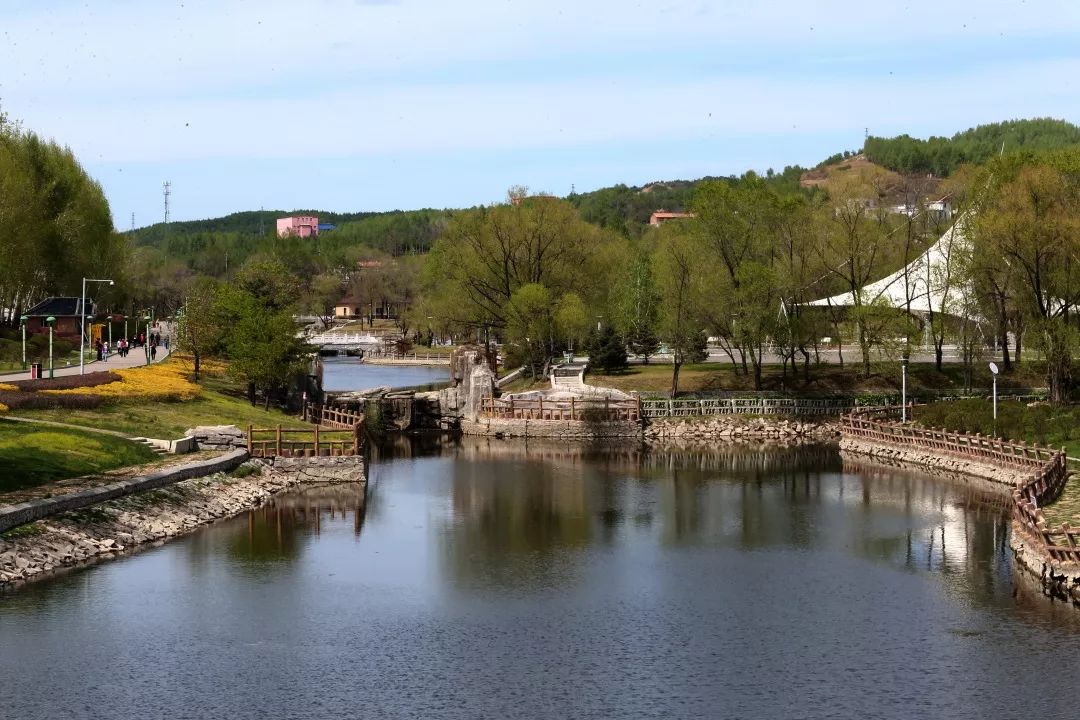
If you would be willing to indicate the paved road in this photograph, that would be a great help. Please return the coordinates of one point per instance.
(135, 358)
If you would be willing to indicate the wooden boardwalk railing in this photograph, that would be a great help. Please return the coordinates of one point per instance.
(573, 409)
(332, 417)
(692, 407)
(1048, 470)
(314, 442)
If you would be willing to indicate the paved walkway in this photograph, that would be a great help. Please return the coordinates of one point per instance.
(135, 358)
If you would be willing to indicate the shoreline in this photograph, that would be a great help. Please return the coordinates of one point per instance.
(128, 524)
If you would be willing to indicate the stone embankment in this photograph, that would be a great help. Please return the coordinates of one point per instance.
(132, 522)
(1002, 478)
(557, 429)
(739, 427)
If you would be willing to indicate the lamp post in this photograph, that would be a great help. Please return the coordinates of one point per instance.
(22, 321)
(125, 330)
(146, 337)
(994, 372)
(903, 389)
(51, 320)
(82, 330)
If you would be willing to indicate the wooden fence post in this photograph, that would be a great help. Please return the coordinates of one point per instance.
(573, 416)
(250, 446)
(316, 441)
(278, 452)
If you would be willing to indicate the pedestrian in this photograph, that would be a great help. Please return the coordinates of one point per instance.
(166, 343)
(105, 351)
(153, 352)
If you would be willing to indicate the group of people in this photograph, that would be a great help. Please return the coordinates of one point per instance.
(122, 347)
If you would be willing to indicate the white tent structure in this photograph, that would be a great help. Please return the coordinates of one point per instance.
(929, 282)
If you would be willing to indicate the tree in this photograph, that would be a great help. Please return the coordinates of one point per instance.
(1027, 232)
(530, 325)
(638, 307)
(680, 278)
(200, 330)
(572, 320)
(854, 231)
(487, 254)
(607, 350)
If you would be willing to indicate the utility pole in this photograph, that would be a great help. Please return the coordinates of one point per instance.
(132, 222)
(166, 189)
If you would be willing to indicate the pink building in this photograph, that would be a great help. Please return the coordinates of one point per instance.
(298, 225)
(662, 216)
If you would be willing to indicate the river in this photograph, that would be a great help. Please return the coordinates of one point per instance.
(495, 579)
(344, 373)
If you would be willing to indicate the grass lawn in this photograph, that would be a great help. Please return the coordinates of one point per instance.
(221, 403)
(31, 455)
(824, 379)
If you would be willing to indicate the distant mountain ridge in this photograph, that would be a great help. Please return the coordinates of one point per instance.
(627, 208)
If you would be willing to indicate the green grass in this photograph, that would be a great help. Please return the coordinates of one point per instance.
(824, 379)
(221, 403)
(32, 455)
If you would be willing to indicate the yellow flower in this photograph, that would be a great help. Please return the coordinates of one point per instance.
(5, 386)
(166, 381)
(3, 408)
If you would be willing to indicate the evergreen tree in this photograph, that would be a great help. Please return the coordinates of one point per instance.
(607, 350)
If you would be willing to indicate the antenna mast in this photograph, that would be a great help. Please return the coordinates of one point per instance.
(167, 191)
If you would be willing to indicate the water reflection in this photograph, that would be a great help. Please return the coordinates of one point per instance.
(520, 580)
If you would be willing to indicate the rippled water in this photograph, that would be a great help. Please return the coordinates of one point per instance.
(498, 580)
(344, 373)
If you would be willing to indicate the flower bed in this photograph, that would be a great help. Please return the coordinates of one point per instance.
(66, 382)
(166, 381)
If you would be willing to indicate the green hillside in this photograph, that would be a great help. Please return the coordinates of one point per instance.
(941, 155)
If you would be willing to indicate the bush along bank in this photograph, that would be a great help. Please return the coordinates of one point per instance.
(127, 524)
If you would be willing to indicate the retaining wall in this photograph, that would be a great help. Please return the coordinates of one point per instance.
(735, 427)
(15, 515)
(562, 429)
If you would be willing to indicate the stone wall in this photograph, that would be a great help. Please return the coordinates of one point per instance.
(22, 513)
(564, 429)
(738, 427)
(341, 469)
(1004, 478)
(218, 437)
(129, 523)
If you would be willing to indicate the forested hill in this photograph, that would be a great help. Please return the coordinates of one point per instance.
(250, 222)
(941, 155)
(627, 208)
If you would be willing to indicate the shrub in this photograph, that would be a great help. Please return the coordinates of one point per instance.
(22, 400)
(66, 382)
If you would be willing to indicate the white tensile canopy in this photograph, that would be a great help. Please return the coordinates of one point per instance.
(930, 281)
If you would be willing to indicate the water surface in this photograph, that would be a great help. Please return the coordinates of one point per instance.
(345, 373)
(497, 580)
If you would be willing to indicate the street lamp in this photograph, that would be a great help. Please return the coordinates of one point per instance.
(82, 330)
(22, 321)
(51, 320)
(994, 372)
(128, 339)
(146, 338)
(903, 389)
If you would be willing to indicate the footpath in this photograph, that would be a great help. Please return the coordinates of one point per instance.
(135, 358)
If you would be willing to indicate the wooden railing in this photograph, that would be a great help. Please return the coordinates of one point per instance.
(692, 407)
(314, 442)
(1061, 544)
(598, 410)
(1048, 470)
(877, 425)
(332, 417)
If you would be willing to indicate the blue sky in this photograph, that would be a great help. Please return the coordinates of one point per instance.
(354, 105)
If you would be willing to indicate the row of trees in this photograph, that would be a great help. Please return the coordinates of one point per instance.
(55, 224)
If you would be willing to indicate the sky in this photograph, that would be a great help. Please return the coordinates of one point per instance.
(357, 105)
